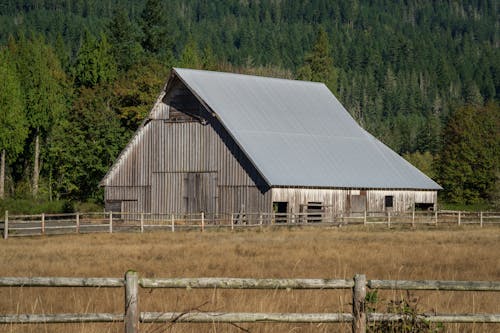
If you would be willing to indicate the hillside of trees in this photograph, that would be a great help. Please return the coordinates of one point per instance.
(78, 76)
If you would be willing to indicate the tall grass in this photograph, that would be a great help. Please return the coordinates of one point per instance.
(451, 254)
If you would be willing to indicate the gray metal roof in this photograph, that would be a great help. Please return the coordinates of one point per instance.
(298, 134)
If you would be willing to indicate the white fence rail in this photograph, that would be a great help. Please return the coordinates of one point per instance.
(131, 317)
(41, 224)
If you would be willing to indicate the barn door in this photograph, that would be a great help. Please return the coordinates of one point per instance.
(200, 192)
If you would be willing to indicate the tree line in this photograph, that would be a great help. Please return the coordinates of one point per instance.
(78, 76)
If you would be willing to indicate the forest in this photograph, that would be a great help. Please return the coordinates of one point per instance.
(79, 76)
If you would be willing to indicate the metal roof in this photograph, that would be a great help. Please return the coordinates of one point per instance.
(298, 134)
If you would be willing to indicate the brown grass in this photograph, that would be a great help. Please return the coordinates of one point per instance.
(451, 254)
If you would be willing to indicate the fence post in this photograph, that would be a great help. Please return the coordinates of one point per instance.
(232, 222)
(364, 218)
(358, 304)
(459, 218)
(413, 218)
(110, 222)
(43, 223)
(388, 219)
(436, 216)
(481, 219)
(260, 220)
(172, 224)
(77, 223)
(142, 222)
(202, 221)
(6, 225)
(131, 302)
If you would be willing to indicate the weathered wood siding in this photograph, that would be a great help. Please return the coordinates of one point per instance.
(185, 165)
(348, 200)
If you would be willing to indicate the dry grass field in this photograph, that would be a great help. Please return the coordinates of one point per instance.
(446, 254)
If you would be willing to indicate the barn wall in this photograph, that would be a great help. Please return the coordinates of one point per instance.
(348, 200)
(185, 167)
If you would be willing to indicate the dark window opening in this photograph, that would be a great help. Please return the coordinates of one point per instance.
(114, 206)
(421, 206)
(314, 211)
(389, 201)
(280, 209)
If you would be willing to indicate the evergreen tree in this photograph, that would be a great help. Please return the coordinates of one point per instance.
(154, 27)
(45, 89)
(190, 57)
(84, 144)
(124, 37)
(94, 63)
(469, 160)
(13, 131)
(318, 64)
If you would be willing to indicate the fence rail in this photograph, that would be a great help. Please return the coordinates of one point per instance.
(41, 224)
(132, 316)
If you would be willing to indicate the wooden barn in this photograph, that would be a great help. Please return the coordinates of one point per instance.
(224, 143)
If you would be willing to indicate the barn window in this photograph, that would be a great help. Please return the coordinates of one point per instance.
(314, 211)
(421, 206)
(280, 209)
(389, 201)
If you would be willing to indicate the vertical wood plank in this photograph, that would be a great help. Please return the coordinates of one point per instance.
(142, 222)
(358, 304)
(202, 221)
(6, 225)
(110, 222)
(131, 302)
(43, 223)
(481, 219)
(77, 223)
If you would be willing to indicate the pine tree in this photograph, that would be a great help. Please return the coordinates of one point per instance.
(124, 37)
(154, 27)
(318, 64)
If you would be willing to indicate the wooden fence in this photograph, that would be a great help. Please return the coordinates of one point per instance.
(131, 317)
(41, 224)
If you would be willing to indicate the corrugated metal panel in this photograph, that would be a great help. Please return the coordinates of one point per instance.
(297, 133)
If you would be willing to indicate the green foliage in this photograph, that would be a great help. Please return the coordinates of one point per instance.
(42, 80)
(318, 64)
(135, 91)
(469, 161)
(190, 56)
(154, 27)
(94, 63)
(407, 308)
(84, 144)
(124, 37)
(33, 206)
(422, 161)
(13, 123)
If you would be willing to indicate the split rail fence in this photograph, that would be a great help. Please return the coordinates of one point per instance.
(41, 224)
(132, 316)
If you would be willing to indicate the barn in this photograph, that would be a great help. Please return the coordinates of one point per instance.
(222, 143)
